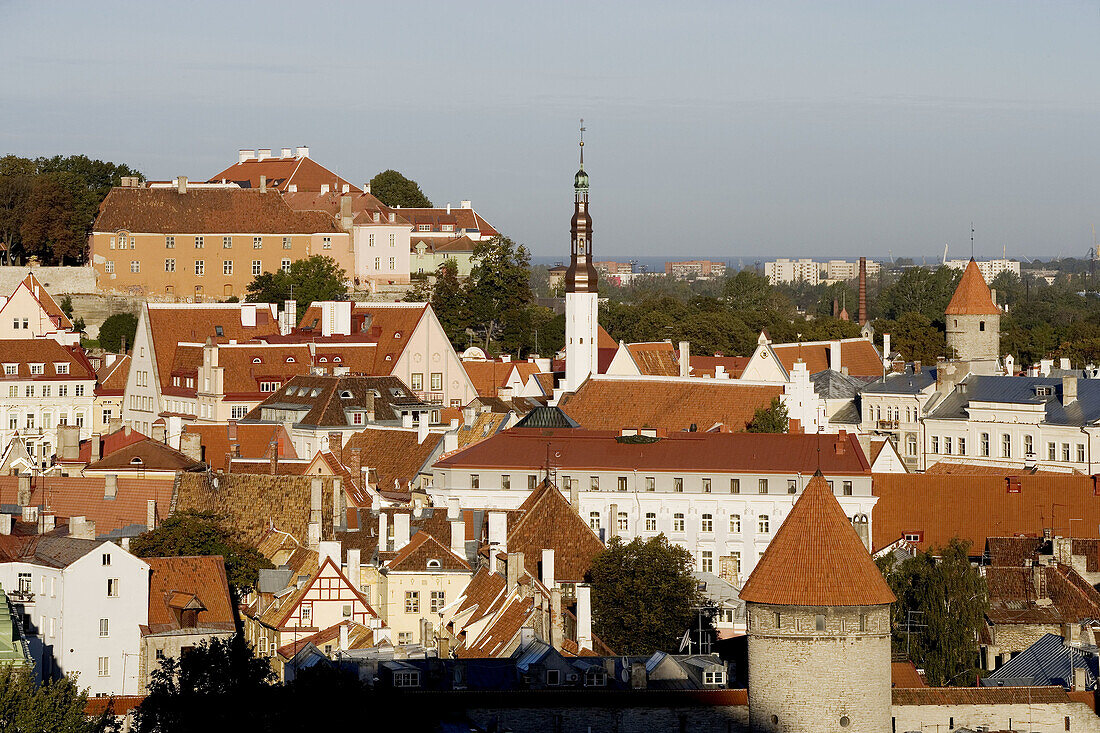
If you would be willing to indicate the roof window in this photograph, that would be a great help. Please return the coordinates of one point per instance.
(136, 460)
(219, 331)
(323, 359)
(433, 563)
(291, 391)
(256, 360)
(336, 359)
(396, 392)
(397, 334)
(290, 360)
(315, 391)
(346, 394)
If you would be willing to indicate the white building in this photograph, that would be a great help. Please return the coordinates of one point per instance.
(82, 603)
(990, 269)
(791, 271)
(30, 312)
(581, 296)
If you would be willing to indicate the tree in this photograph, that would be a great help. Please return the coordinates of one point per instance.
(449, 302)
(51, 707)
(203, 533)
(394, 189)
(770, 419)
(116, 330)
(54, 227)
(644, 596)
(919, 290)
(312, 279)
(498, 291)
(943, 593)
(915, 337)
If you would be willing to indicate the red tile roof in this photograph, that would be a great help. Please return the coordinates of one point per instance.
(905, 675)
(394, 456)
(525, 448)
(655, 359)
(111, 442)
(118, 704)
(359, 637)
(705, 366)
(414, 556)
(938, 508)
(816, 559)
(972, 296)
(201, 577)
(1012, 598)
(390, 325)
(111, 377)
(253, 441)
(48, 353)
(609, 403)
(46, 301)
(304, 173)
(490, 375)
(461, 218)
(144, 455)
(549, 522)
(72, 496)
(944, 468)
(857, 354)
(979, 696)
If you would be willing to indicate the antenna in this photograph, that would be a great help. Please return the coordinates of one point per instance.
(582, 142)
(971, 240)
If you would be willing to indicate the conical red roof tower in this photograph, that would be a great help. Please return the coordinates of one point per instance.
(817, 559)
(972, 296)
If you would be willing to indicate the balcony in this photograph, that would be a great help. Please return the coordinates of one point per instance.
(430, 398)
(886, 424)
(21, 596)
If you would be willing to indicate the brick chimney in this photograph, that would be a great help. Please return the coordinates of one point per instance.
(336, 445)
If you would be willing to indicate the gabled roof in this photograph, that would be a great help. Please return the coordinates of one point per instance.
(550, 523)
(45, 301)
(359, 637)
(654, 359)
(325, 401)
(834, 385)
(1013, 599)
(490, 375)
(48, 353)
(109, 443)
(421, 549)
(253, 441)
(303, 172)
(463, 220)
(388, 325)
(816, 559)
(201, 579)
(78, 496)
(111, 378)
(546, 417)
(1049, 661)
(706, 366)
(857, 354)
(276, 616)
(612, 403)
(394, 456)
(972, 296)
(144, 455)
(206, 211)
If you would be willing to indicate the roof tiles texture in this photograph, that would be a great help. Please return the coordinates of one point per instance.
(49, 354)
(73, 496)
(858, 355)
(253, 441)
(655, 359)
(972, 296)
(550, 523)
(304, 173)
(394, 456)
(422, 548)
(817, 559)
(203, 577)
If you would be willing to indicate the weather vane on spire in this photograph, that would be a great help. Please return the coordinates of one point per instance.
(582, 142)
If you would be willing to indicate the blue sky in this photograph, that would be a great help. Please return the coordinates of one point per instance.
(729, 129)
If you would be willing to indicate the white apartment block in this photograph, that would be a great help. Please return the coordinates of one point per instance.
(813, 272)
(990, 269)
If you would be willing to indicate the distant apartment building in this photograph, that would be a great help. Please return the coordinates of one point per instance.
(813, 272)
(990, 269)
(843, 270)
(695, 269)
(614, 268)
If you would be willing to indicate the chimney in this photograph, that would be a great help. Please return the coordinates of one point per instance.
(303, 152)
(498, 532)
(81, 528)
(263, 184)
(160, 432)
(406, 420)
(685, 359)
(316, 487)
(30, 514)
(110, 486)
(345, 211)
(245, 155)
(458, 535)
(339, 505)
(557, 623)
(47, 522)
(329, 549)
(862, 290)
(69, 438)
(23, 496)
(834, 355)
(885, 346)
(263, 153)
(513, 569)
(400, 530)
(366, 189)
(5, 523)
(548, 567)
(191, 446)
(575, 495)
(151, 514)
(181, 184)
(1037, 579)
(1064, 364)
(466, 204)
(345, 187)
(383, 532)
(638, 680)
(344, 636)
(336, 445)
(286, 153)
(313, 537)
(1069, 390)
(1080, 678)
(292, 188)
(422, 428)
(355, 567)
(584, 616)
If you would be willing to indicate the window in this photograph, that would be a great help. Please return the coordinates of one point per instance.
(200, 267)
(863, 622)
(1052, 452)
(1080, 452)
(286, 265)
(437, 381)
(38, 368)
(438, 600)
(392, 239)
(678, 485)
(935, 444)
(286, 242)
(553, 677)
(393, 264)
(417, 381)
(1029, 445)
(170, 264)
(651, 522)
(595, 677)
(237, 412)
(532, 481)
(735, 486)
(1065, 452)
(11, 369)
(424, 228)
(135, 266)
(792, 486)
(706, 486)
(122, 241)
(109, 266)
(227, 267)
(778, 620)
(847, 488)
(370, 240)
(762, 524)
(505, 481)
(104, 666)
(624, 522)
(981, 325)
(199, 242)
(169, 242)
(962, 446)
(1006, 446)
(706, 561)
(104, 627)
(735, 524)
(650, 483)
(108, 413)
(407, 678)
(377, 263)
(62, 390)
(706, 523)
(475, 481)
(594, 521)
(105, 560)
(227, 242)
(819, 622)
(622, 483)
(762, 486)
(912, 536)
(678, 522)
(258, 242)
(984, 447)
(412, 601)
(947, 445)
(78, 390)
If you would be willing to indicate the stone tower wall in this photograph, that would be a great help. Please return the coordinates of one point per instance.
(967, 341)
(809, 681)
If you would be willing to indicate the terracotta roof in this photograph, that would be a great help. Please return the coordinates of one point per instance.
(277, 615)
(495, 638)
(118, 704)
(480, 594)
(111, 442)
(816, 559)
(461, 244)
(324, 401)
(206, 211)
(549, 522)
(304, 173)
(363, 205)
(905, 675)
(461, 218)
(171, 324)
(1013, 600)
(938, 507)
(77, 496)
(655, 359)
(359, 637)
(705, 366)
(490, 375)
(111, 377)
(395, 456)
(46, 301)
(253, 441)
(201, 577)
(48, 353)
(1013, 551)
(972, 296)
(944, 468)
(857, 354)
(579, 449)
(421, 548)
(390, 326)
(144, 455)
(979, 696)
(604, 339)
(46, 550)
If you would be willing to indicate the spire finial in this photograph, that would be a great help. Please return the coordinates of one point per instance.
(582, 143)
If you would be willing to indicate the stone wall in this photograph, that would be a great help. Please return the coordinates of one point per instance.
(57, 280)
(966, 340)
(1021, 717)
(641, 718)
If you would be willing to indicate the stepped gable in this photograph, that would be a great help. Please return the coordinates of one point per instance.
(817, 559)
(972, 296)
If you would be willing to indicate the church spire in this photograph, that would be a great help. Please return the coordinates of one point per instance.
(581, 275)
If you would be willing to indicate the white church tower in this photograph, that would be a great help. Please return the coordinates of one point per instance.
(581, 299)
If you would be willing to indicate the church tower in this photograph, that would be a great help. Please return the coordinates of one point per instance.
(818, 626)
(580, 288)
(974, 323)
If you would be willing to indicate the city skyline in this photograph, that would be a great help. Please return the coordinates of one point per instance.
(724, 130)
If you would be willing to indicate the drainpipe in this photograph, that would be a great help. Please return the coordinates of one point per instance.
(1088, 447)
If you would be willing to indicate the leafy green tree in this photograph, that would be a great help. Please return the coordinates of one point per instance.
(309, 280)
(1009, 287)
(644, 596)
(394, 189)
(919, 290)
(54, 226)
(51, 707)
(915, 337)
(202, 533)
(498, 291)
(449, 302)
(116, 329)
(750, 291)
(946, 599)
(770, 419)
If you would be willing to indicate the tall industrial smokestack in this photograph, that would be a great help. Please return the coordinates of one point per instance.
(862, 290)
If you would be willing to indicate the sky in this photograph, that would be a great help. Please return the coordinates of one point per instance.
(734, 130)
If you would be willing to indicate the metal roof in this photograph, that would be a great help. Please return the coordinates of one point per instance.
(1046, 662)
(1085, 410)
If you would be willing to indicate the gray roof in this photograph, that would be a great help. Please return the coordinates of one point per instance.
(547, 417)
(51, 551)
(1046, 662)
(1085, 410)
(833, 385)
(847, 415)
(907, 383)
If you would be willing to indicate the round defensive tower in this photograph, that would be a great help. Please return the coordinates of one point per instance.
(973, 319)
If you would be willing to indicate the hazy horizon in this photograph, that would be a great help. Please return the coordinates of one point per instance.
(745, 130)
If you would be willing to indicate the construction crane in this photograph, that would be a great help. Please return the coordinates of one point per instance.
(945, 254)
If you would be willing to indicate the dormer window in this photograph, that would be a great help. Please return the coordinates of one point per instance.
(1044, 390)
(315, 391)
(323, 359)
(291, 391)
(434, 564)
(448, 227)
(256, 360)
(38, 368)
(61, 367)
(136, 461)
(219, 331)
(336, 359)
(346, 395)
(397, 334)
(424, 228)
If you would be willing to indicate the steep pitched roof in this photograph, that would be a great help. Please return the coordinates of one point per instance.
(706, 366)
(972, 296)
(79, 496)
(550, 523)
(254, 442)
(422, 548)
(144, 455)
(388, 325)
(110, 443)
(655, 359)
(201, 577)
(395, 456)
(45, 300)
(607, 403)
(47, 550)
(1068, 597)
(359, 637)
(111, 377)
(817, 559)
(304, 173)
(490, 375)
(857, 354)
(206, 211)
(50, 354)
